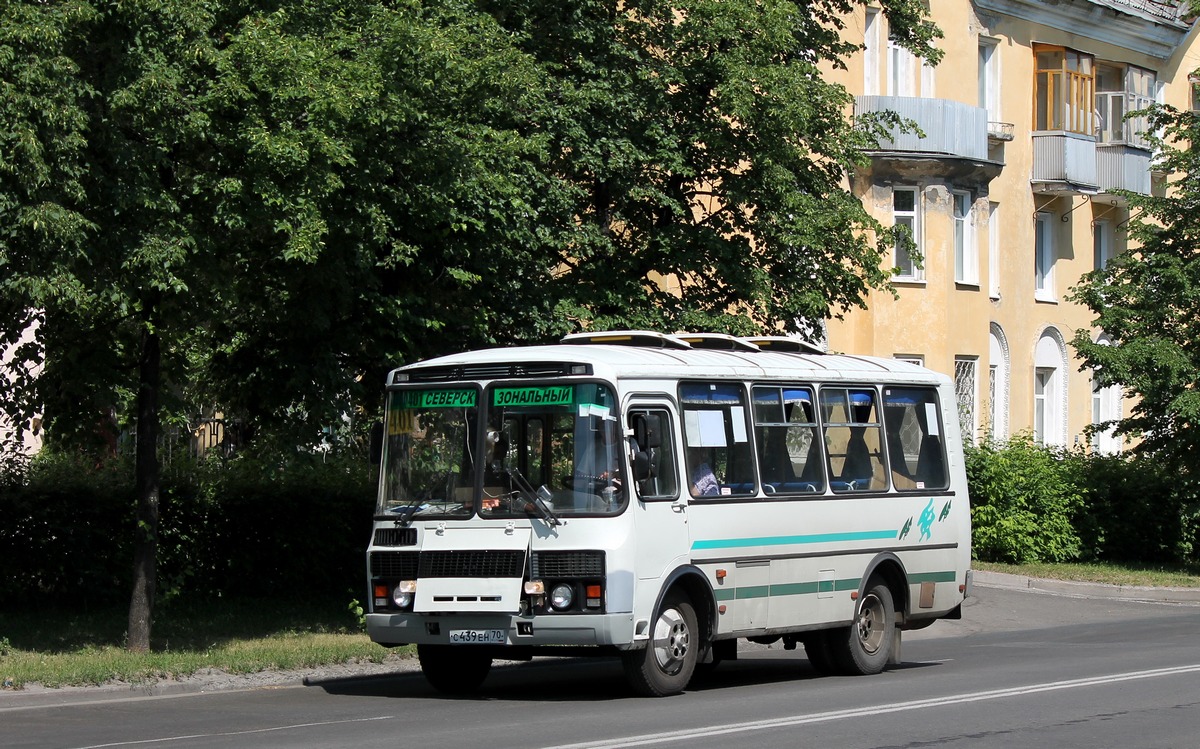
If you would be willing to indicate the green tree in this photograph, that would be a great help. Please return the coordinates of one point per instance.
(257, 206)
(248, 206)
(707, 157)
(1147, 302)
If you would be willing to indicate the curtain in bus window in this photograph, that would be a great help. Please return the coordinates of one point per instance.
(853, 439)
(716, 439)
(785, 429)
(916, 450)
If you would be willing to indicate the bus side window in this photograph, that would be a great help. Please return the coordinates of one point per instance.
(785, 430)
(853, 439)
(916, 449)
(719, 457)
(653, 446)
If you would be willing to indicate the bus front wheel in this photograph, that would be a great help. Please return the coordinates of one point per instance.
(453, 669)
(866, 645)
(668, 661)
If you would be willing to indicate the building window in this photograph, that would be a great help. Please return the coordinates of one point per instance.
(1106, 409)
(906, 216)
(966, 253)
(1102, 244)
(1064, 90)
(989, 78)
(998, 369)
(1043, 259)
(994, 250)
(916, 359)
(1121, 89)
(965, 392)
(902, 65)
(1049, 389)
(871, 53)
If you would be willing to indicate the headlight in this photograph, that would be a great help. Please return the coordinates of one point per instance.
(562, 596)
(402, 596)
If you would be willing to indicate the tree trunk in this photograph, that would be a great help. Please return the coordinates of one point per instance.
(145, 560)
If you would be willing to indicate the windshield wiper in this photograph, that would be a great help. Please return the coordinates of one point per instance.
(538, 498)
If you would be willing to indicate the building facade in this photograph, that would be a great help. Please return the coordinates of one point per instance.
(1007, 194)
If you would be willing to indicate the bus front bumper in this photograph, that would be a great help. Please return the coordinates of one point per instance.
(501, 629)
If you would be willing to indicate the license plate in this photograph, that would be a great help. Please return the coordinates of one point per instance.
(478, 636)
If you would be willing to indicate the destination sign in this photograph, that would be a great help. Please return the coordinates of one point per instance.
(437, 399)
(561, 395)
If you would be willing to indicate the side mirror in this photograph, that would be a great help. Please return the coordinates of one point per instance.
(643, 467)
(646, 431)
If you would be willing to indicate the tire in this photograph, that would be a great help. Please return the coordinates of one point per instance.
(820, 654)
(453, 669)
(865, 646)
(665, 666)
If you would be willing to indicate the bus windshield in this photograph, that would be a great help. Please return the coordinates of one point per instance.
(429, 466)
(565, 438)
(545, 450)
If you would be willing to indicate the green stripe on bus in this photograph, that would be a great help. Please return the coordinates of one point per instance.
(813, 538)
(819, 586)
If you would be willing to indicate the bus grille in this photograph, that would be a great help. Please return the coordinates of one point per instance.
(556, 564)
(395, 564)
(396, 537)
(503, 563)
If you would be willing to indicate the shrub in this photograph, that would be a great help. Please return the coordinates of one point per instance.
(249, 526)
(1136, 510)
(1024, 500)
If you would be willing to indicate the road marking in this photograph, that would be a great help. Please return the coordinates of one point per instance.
(798, 720)
(271, 729)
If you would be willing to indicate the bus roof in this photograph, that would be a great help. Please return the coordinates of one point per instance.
(647, 355)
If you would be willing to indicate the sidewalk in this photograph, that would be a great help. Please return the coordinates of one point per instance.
(1189, 596)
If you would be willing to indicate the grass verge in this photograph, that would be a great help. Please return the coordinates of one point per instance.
(59, 647)
(1112, 574)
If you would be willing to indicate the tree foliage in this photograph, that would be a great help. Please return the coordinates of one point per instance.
(1147, 303)
(258, 206)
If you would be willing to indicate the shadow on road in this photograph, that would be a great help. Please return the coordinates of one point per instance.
(581, 679)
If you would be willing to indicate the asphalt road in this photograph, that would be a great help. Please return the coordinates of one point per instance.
(1021, 669)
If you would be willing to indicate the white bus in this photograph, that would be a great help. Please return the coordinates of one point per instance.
(657, 497)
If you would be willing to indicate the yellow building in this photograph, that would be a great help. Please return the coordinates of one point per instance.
(1007, 192)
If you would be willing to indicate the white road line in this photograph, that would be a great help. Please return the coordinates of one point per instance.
(168, 739)
(958, 699)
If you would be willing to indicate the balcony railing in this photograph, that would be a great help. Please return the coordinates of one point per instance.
(1122, 167)
(949, 128)
(1065, 160)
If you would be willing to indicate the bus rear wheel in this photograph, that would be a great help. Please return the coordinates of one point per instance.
(866, 645)
(668, 661)
(453, 669)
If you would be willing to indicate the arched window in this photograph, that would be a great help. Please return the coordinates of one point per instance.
(1050, 389)
(999, 367)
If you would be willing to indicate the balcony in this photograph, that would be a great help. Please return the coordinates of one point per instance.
(1123, 167)
(951, 128)
(1064, 162)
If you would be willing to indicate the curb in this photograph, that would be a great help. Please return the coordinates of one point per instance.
(1187, 596)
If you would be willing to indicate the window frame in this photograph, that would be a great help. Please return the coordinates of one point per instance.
(1043, 258)
(966, 249)
(1064, 94)
(910, 271)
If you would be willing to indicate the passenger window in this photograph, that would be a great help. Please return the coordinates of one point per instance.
(853, 439)
(916, 450)
(785, 431)
(718, 455)
(652, 449)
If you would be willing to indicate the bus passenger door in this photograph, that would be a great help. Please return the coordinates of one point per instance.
(661, 499)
